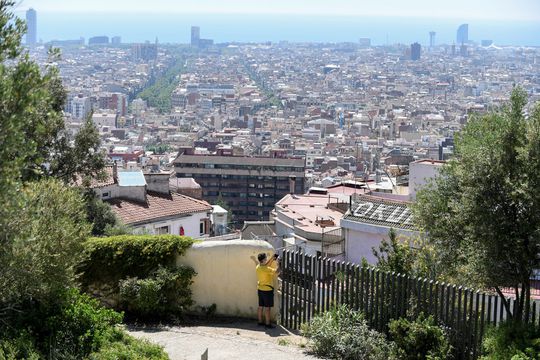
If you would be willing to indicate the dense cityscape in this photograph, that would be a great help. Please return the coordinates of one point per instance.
(385, 187)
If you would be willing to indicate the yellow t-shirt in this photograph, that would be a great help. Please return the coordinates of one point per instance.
(265, 277)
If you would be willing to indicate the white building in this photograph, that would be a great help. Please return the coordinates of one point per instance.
(144, 202)
(420, 172)
(368, 222)
(80, 107)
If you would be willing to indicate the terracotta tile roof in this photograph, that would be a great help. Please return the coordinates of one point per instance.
(381, 212)
(157, 206)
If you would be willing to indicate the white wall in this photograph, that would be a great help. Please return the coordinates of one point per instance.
(361, 238)
(226, 275)
(190, 224)
(420, 172)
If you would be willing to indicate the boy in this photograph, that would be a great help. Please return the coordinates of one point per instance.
(266, 275)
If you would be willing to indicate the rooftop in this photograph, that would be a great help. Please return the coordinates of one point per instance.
(131, 178)
(381, 212)
(157, 206)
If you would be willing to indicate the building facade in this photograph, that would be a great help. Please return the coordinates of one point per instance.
(462, 36)
(31, 23)
(249, 187)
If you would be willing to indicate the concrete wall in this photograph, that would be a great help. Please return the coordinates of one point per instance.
(226, 275)
(361, 238)
(420, 172)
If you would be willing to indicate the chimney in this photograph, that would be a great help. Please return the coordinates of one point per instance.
(292, 184)
(115, 172)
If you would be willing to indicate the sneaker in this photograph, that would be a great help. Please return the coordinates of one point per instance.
(261, 324)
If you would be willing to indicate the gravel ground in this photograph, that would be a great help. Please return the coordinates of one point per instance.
(225, 340)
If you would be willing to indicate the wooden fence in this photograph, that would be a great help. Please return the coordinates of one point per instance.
(311, 285)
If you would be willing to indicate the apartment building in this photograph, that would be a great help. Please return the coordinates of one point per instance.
(248, 186)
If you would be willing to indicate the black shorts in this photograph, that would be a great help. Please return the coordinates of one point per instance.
(266, 298)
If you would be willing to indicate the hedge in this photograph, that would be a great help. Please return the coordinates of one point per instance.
(111, 259)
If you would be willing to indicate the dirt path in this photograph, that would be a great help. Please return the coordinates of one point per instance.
(235, 340)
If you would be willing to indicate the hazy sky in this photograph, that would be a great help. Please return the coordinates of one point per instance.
(459, 9)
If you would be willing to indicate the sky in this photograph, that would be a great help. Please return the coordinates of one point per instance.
(527, 10)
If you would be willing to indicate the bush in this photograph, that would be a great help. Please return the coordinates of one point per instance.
(80, 327)
(419, 339)
(343, 333)
(20, 347)
(75, 328)
(129, 348)
(114, 258)
(165, 292)
(512, 341)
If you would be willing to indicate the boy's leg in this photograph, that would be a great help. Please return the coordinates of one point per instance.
(267, 315)
(260, 314)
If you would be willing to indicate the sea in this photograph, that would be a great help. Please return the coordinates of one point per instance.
(223, 28)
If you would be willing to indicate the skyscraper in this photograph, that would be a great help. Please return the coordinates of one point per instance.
(416, 49)
(432, 38)
(31, 23)
(195, 35)
(462, 34)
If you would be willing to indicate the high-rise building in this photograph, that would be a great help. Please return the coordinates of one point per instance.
(116, 40)
(195, 35)
(416, 49)
(432, 38)
(462, 36)
(31, 23)
(248, 186)
(79, 106)
(98, 40)
(146, 52)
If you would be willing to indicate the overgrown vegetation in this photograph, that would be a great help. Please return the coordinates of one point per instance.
(343, 333)
(74, 327)
(166, 291)
(43, 221)
(512, 341)
(140, 271)
(481, 214)
(419, 339)
(158, 95)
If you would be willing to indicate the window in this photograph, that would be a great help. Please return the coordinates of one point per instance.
(161, 230)
(105, 195)
(202, 228)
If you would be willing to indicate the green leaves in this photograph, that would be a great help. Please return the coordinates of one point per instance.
(482, 212)
(419, 339)
(119, 257)
(342, 333)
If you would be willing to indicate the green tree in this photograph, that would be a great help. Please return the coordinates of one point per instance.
(394, 255)
(481, 214)
(77, 157)
(46, 244)
(99, 214)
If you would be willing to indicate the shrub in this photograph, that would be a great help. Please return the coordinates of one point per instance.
(114, 258)
(75, 328)
(343, 333)
(80, 326)
(419, 339)
(19, 347)
(165, 292)
(512, 341)
(129, 348)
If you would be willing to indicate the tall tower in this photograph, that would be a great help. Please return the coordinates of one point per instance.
(195, 35)
(31, 23)
(462, 36)
(432, 38)
(416, 49)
